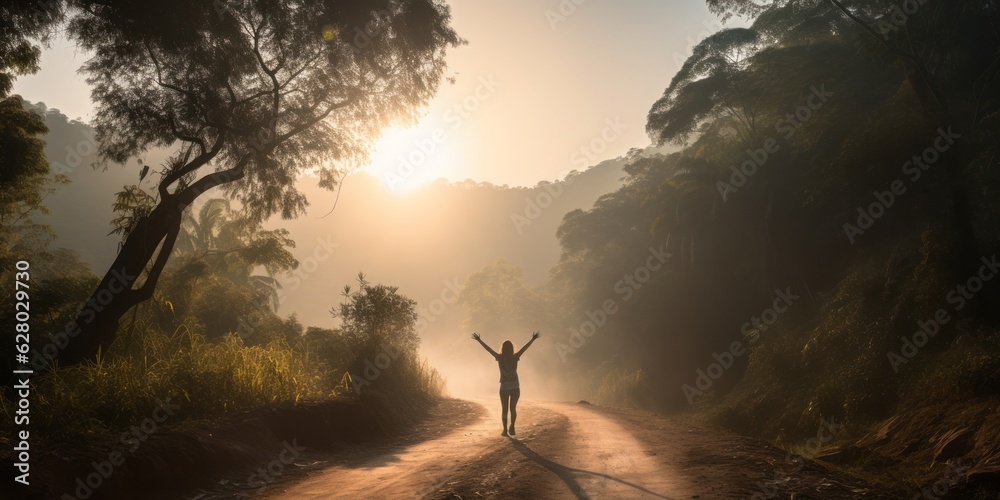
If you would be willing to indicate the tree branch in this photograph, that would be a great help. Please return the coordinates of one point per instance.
(195, 164)
(190, 193)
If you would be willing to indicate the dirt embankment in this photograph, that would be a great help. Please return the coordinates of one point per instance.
(197, 459)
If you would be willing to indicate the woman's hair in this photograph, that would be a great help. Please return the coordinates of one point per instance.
(507, 354)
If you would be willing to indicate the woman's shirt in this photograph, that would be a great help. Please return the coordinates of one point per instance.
(508, 378)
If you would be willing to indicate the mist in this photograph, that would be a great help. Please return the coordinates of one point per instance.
(740, 249)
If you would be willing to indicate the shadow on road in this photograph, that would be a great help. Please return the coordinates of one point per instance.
(569, 475)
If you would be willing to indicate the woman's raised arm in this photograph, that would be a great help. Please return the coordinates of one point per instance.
(475, 336)
(534, 336)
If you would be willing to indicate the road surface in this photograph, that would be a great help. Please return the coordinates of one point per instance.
(565, 450)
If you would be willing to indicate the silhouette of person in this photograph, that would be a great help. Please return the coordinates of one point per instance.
(510, 388)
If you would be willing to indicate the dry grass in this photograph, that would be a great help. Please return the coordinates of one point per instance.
(624, 389)
(205, 379)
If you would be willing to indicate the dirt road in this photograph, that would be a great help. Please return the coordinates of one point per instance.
(567, 450)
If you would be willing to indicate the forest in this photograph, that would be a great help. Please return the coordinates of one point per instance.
(808, 240)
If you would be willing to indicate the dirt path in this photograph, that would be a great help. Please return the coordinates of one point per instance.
(565, 450)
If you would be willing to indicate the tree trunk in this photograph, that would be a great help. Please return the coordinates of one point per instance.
(97, 322)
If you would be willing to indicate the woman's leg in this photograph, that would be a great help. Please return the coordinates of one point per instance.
(514, 395)
(503, 408)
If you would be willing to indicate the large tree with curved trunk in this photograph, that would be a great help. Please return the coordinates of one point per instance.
(249, 94)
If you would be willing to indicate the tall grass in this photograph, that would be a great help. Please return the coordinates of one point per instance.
(146, 367)
(623, 388)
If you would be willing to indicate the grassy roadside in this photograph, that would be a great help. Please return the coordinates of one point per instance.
(247, 450)
(165, 412)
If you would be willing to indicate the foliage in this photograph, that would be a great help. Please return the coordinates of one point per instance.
(713, 82)
(375, 317)
(149, 366)
(248, 95)
(132, 204)
(23, 23)
(24, 170)
(274, 87)
(215, 280)
(499, 300)
(206, 379)
(735, 238)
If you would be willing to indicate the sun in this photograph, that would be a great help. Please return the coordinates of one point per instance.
(408, 158)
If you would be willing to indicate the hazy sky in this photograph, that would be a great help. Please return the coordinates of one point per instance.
(585, 75)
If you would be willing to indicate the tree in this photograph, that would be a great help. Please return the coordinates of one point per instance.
(499, 301)
(250, 94)
(24, 170)
(23, 23)
(376, 318)
(221, 241)
(941, 46)
(327, 345)
(214, 274)
(713, 82)
(949, 53)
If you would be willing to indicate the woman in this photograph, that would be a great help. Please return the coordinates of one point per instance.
(510, 390)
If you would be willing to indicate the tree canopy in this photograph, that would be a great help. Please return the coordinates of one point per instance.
(249, 95)
(266, 89)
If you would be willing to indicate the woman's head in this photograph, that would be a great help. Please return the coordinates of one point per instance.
(507, 349)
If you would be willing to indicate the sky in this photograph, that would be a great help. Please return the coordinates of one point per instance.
(543, 87)
(586, 73)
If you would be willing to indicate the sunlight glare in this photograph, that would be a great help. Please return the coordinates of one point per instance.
(408, 158)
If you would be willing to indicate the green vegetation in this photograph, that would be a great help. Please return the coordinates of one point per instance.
(834, 151)
(246, 95)
(854, 171)
(208, 375)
